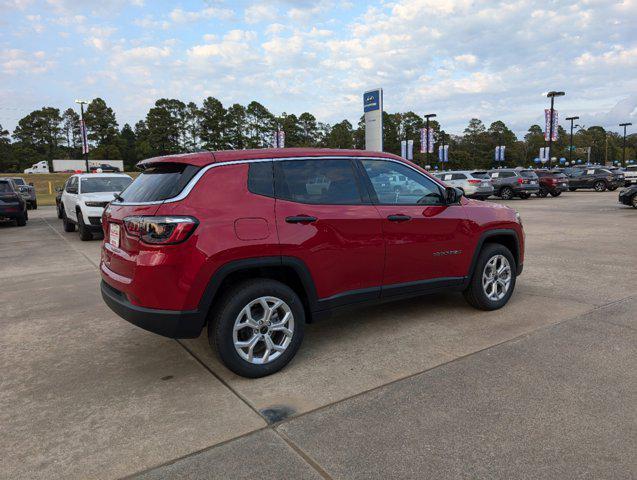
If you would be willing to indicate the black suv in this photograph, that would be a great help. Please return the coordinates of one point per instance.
(597, 178)
(105, 167)
(628, 196)
(12, 204)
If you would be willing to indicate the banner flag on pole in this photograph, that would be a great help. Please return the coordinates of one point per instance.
(547, 124)
(84, 137)
(443, 153)
(278, 138)
(423, 140)
(403, 148)
(410, 149)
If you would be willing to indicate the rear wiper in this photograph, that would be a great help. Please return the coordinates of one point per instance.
(118, 197)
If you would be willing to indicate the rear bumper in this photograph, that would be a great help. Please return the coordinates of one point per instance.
(480, 194)
(12, 211)
(168, 323)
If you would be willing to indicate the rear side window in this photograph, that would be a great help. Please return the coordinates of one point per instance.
(528, 174)
(482, 175)
(458, 176)
(5, 187)
(326, 182)
(261, 179)
(159, 182)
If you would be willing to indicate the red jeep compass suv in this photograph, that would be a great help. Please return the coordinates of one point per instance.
(255, 243)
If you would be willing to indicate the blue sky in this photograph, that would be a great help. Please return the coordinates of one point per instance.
(457, 58)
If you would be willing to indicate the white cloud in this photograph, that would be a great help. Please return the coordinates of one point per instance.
(260, 12)
(182, 16)
(19, 62)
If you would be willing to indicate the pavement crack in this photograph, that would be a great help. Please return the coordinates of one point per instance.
(309, 460)
(70, 244)
(224, 382)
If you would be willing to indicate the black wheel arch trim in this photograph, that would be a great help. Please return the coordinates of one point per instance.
(496, 233)
(218, 277)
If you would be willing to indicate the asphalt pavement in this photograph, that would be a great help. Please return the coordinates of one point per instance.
(427, 388)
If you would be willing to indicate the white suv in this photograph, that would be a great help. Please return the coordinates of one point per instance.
(84, 198)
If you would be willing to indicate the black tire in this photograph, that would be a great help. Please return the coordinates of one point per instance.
(222, 320)
(555, 194)
(85, 232)
(612, 189)
(506, 193)
(543, 193)
(525, 196)
(599, 186)
(35, 205)
(69, 226)
(571, 189)
(475, 294)
(59, 208)
(21, 221)
(633, 201)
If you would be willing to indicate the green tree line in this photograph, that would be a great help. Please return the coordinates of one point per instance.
(172, 126)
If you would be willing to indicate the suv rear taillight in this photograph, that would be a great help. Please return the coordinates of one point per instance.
(475, 182)
(520, 181)
(161, 230)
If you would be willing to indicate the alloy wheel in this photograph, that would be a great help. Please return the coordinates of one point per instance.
(263, 330)
(496, 278)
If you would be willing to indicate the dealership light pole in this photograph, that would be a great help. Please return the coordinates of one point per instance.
(83, 133)
(427, 117)
(552, 96)
(570, 148)
(624, 144)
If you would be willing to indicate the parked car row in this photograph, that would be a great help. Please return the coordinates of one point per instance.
(507, 183)
(81, 202)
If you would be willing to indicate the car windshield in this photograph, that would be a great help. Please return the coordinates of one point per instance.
(482, 175)
(104, 184)
(19, 181)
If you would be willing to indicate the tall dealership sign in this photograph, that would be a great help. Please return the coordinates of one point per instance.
(373, 111)
(547, 124)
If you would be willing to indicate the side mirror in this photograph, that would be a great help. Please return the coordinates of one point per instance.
(452, 195)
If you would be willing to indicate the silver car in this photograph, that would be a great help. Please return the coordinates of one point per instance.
(473, 183)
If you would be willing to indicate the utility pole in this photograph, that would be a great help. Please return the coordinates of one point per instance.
(552, 96)
(427, 117)
(83, 133)
(624, 144)
(570, 148)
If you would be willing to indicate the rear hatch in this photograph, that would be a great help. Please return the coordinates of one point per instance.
(143, 197)
(483, 177)
(529, 177)
(8, 197)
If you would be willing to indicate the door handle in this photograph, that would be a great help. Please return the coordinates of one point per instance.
(301, 219)
(398, 218)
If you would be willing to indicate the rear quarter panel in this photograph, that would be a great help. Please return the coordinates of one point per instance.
(233, 224)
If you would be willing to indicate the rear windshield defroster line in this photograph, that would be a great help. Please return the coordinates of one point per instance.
(159, 182)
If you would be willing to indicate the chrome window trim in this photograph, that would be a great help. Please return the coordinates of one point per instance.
(193, 181)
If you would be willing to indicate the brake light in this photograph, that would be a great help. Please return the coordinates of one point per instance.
(520, 181)
(161, 230)
(475, 182)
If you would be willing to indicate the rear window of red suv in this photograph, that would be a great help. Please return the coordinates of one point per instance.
(159, 182)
